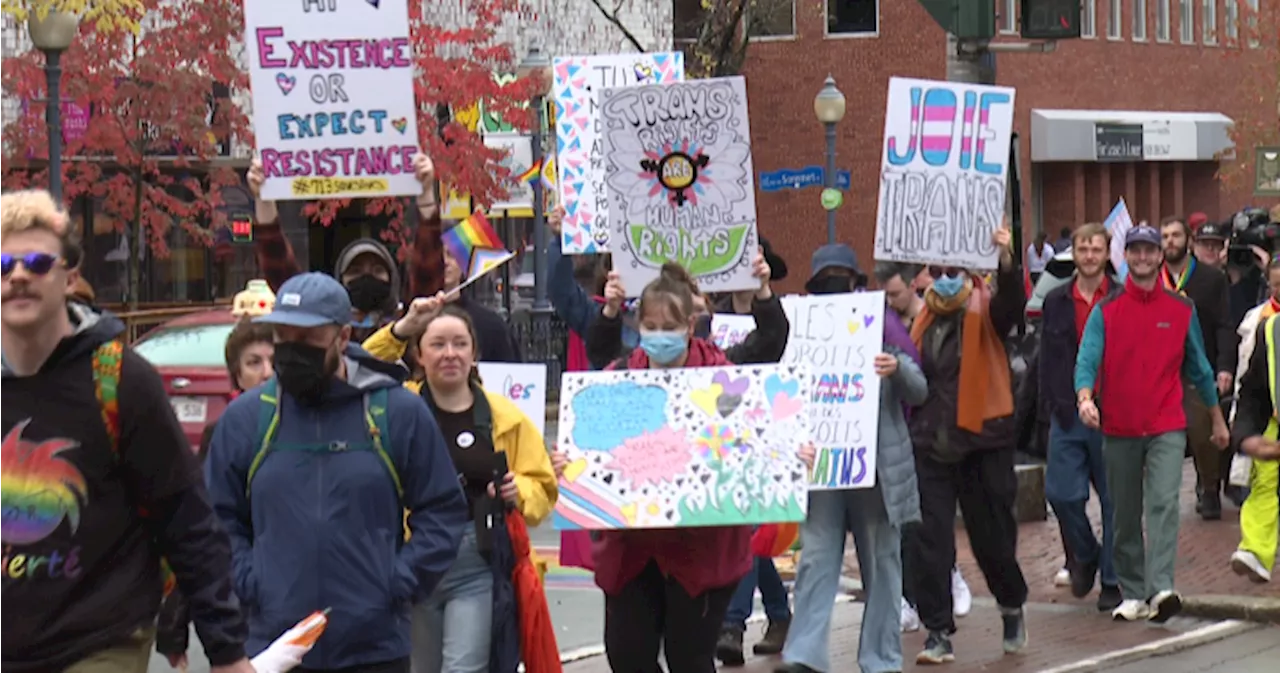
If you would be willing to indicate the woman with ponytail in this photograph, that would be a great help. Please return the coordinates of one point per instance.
(452, 628)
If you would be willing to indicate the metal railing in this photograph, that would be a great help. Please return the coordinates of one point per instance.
(550, 348)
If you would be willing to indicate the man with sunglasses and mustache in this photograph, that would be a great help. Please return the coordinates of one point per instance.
(963, 436)
(99, 480)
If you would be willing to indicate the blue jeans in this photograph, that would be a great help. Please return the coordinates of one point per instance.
(1075, 461)
(452, 628)
(773, 593)
(879, 546)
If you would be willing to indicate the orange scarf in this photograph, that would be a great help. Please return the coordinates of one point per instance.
(985, 390)
(1269, 309)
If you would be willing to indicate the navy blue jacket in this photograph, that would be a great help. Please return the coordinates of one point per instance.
(325, 529)
(1058, 347)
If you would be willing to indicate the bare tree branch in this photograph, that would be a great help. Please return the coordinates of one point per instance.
(612, 17)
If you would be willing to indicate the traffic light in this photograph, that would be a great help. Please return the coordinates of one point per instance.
(242, 230)
(967, 19)
(1050, 19)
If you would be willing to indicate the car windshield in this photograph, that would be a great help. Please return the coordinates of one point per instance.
(194, 346)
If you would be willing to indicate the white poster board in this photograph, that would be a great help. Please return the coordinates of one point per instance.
(578, 81)
(681, 182)
(517, 158)
(729, 329)
(838, 336)
(333, 105)
(944, 162)
(522, 383)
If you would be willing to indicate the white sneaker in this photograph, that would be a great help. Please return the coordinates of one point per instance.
(1062, 579)
(961, 598)
(1246, 564)
(1165, 605)
(1131, 610)
(910, 618)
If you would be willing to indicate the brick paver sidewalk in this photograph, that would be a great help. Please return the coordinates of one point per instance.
(1058, 635)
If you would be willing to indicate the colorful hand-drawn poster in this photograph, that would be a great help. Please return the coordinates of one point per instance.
(522, 383)
(578, 81)
(942, 186)
(333, 104)
(680, 448)
(517, 159)
(729, 329)
(838, 336)
(681, 183)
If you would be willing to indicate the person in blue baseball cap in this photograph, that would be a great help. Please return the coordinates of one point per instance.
(318, 472)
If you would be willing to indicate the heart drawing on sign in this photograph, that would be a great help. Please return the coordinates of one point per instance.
(868, 319)
(736, 387)
(774, 385)
(705, 398)
(574, 470)
(726, 404)
(285, 82)
(852, 326)
(400, 124)
(785, 406)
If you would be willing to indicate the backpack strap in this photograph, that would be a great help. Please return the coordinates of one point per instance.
(268, 424)
(106, 385)
(376, 421)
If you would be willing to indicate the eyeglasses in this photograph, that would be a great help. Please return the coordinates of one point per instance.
(38, 263)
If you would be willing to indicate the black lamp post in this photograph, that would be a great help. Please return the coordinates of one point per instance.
(538, 66)
(53, 35)
(829, 107)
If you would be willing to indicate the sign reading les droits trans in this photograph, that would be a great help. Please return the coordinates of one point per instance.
(681, 184)
(333, 104)
(942, 187)
(838, 337)
(579, 153)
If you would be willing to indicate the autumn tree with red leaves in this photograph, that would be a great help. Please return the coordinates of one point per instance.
(1253, 52)
(156, 121)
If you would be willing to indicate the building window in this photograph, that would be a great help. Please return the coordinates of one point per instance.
(1009, 16)
(1210, 21)
(1231, 15)
(1140, 20)
(853, 17)
(1114, 15)
(1186, 21)
(1088, 19)
(771, 19)
(686, 21)
(1252, 23)
(1162, 20)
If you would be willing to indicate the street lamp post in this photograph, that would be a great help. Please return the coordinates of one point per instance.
(53, 35)
(538, 66)
(828, 105)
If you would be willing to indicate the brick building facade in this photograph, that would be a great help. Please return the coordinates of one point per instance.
(1134, 73)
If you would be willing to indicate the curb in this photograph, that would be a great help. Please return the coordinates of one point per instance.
(1242, 608)
(1157, 648)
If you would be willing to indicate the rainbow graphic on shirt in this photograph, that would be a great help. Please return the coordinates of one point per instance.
(39, 488)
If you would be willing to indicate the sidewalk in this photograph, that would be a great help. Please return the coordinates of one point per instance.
(1058, 635)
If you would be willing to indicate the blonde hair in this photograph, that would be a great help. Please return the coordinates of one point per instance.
(35, 209)
(1090, 230)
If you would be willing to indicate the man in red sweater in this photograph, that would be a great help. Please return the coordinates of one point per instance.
(1137, 348)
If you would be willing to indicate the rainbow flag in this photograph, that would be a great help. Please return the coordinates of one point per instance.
(529, 175)
(471, 234)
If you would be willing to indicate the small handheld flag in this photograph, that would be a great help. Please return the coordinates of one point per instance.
(473, 233)
(531, 173)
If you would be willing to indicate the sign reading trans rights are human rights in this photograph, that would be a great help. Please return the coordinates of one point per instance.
(944, 162)
(333, 104)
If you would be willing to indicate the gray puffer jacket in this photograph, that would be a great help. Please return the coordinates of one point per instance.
(895, 459)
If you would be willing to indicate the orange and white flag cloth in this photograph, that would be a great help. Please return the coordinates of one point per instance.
(287, 651)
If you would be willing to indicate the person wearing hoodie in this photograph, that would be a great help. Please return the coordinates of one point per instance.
(365, 267)
(874, 516)
(963, 440)
(99, 481)
(311, 474)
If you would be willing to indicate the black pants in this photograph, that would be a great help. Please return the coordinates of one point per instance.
(393, 666)
(652, 612)
(985, 486)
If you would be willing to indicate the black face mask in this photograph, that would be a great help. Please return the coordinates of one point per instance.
(304, 371)
(368, 293)
(702, 327)
(831, 285)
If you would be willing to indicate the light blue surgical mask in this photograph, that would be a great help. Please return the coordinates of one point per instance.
(948, 286)
(664, 347)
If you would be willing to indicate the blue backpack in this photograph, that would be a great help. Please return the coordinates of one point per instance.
(375, 416)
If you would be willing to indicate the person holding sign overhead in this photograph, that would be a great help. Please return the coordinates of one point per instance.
(963, 436)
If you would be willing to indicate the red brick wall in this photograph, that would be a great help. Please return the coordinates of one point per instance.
(783, 77)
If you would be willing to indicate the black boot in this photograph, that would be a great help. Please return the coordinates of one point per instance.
(1211, 503)
(775, 637)
(729, 647)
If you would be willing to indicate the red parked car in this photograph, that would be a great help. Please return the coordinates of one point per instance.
(189, 353)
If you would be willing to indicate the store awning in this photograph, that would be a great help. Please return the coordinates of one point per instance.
(1116, 135)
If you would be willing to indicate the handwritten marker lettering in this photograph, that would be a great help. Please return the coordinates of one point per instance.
(942, 185)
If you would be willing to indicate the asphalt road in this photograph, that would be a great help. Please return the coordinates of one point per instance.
(1257, 651)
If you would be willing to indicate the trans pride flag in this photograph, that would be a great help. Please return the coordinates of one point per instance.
(1118, 223)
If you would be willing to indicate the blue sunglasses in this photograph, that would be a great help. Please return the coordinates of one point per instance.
(38, 263)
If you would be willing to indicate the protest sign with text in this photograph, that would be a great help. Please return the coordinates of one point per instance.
(942, 185)
(522, 383)
(333, 104)
(681, 183)
(729, 329)
(838, 337)
(577, 84)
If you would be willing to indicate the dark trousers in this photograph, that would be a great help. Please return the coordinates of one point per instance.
(985, 486)
(393, 666)
(1075, 462)
(654, 612)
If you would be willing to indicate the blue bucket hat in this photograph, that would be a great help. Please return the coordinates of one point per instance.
(835, 256)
